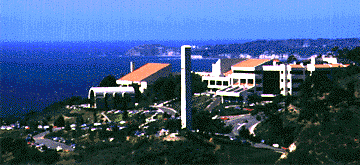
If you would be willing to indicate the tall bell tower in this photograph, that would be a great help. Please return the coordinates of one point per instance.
(186, 95)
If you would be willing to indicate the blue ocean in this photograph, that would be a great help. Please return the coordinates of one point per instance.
(32, 80)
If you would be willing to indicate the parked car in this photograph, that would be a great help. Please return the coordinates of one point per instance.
(59, 148)
(73, 146)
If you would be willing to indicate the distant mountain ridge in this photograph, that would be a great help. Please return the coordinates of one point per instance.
(206, 48)
(301, 47)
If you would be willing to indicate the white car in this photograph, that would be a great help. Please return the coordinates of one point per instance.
(3, 127)
(59, 148)
(97, 124)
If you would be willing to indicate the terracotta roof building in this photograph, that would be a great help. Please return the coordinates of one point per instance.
(103, 97)
(147, 74)
(251, 63)
(144, 72)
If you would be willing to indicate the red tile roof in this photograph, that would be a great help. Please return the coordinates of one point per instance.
(228, 73)
(296, 66)
(251, 63)
(322, 66)
(143, 72)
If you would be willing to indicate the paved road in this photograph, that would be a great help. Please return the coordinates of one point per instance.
(216, 101)
(167, 110)
(102, 113)
(239, 121)
(261, 145)
(39, 139)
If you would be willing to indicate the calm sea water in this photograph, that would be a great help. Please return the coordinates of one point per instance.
(34, 83)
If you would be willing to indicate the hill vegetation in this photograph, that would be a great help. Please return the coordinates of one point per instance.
(322, 121)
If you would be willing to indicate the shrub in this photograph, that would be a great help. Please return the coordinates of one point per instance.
(258, 118)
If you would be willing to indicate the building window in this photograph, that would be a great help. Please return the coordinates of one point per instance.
(282, 72)
(206, 81)
(250, 81)
(212, 82)
(218, 82)
(288, 89)
(282, 80)
(225, 83)
(282, 89)
(242, 81)
(235, 81)
(296, 72)
(288, 80)
(242, 71)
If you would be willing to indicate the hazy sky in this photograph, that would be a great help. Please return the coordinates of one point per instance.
(74, 20)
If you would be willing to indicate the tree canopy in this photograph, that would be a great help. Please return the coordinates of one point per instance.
(108, 81)
(60, 122)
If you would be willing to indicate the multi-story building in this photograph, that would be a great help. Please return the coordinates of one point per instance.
(264, 77)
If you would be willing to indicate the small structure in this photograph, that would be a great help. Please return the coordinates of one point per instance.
(99, 95)
(143, 76)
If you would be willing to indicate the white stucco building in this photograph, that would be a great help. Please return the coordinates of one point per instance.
(143, 76)
(264, 77)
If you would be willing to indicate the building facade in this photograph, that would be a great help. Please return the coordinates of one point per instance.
(264, 77)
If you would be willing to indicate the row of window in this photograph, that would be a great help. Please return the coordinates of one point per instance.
(221, 83)
(294, 72)
(243, 81)
(226, 83)
(242, 71)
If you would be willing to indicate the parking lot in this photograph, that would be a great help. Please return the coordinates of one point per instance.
(39, 139)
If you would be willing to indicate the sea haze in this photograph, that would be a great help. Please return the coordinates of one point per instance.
(31, 79)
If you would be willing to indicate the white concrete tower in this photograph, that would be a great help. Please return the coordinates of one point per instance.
(186, 117)
(132, 66)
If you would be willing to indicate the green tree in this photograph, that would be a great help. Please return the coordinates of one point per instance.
(291, 58)
(254, 98)
(108, 81)
(95, 116)
(137, 92)
(60, 121)
(44, 122)
(198, 86)
(80, 120)
(203, 122)
(6, 145)
(67, 126)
